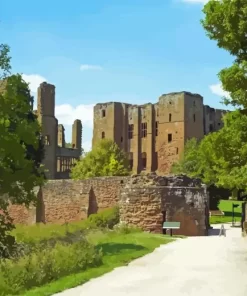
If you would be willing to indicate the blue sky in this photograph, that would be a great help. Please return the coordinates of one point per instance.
(111, 50)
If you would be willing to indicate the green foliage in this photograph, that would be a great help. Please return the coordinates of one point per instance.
(5, 66)
(45, 265)
(118, 249)
(105, 219)
(34, 234)
(126, 229)
(221, 157)
(21, 148)
(105, 159)
(188, 163)
(226, 22)
(71, 249)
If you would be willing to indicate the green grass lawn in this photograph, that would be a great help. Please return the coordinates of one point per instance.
(226, 207)
(118, 250)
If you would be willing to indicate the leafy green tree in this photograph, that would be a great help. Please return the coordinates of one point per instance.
(105, 159)
(21, 146)
(5, 66)
(221, 157)
(188, 164)
(226, 22)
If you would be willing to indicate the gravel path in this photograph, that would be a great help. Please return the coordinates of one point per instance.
(196, 266)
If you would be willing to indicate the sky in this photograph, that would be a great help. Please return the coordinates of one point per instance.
(99, 51)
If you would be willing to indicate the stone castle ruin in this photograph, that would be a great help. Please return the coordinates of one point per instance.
(58, 159)
(154, 135)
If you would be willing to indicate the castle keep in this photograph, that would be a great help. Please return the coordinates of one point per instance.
(154, 135)
(58, 159)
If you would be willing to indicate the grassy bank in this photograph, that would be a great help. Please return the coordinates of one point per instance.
(117, 250)
(53, 258)
(226, 207)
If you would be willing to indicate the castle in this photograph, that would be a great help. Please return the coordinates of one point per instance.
(58, 159)
(154, 135)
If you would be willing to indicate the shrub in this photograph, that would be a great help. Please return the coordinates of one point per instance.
(126, 229)
(105, 219)
(45, 265)
(34, 234)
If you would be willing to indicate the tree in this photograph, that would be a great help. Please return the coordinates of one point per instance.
(105, 159)
(21, 146)
(5, 66)
(188, 164)
(221, 157)
(226, 22)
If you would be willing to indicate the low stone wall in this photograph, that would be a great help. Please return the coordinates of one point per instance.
(61, 201)
(148, 201)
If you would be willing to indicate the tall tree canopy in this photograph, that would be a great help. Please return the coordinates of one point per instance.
(21, 146)
(226, 22)
(105, 159)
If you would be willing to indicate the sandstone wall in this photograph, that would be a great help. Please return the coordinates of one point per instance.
(149, 201)
(61, 201)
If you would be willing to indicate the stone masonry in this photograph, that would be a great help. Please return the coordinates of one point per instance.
(154, 135)
(61, 201)
(145, 201)
(58, 159)
(148, 201)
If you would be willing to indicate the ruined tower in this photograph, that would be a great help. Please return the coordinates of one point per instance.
(61, 136)
(49, 124)
(154, 135)
(76, 134)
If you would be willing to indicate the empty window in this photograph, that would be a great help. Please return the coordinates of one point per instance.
(170, 117)
(144, 160)
(103, 135)
(47, 140)
(130, 131)
(169, 138)
(156, 128)
(103, 113)
(131, 162)
(121, 139)
(194, 118)
(176, 150)
(219, 123)
(194, 103)
(170, 102)
(211, 128)
(157, 112)
(144, 130)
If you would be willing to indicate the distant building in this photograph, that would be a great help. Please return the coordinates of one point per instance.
(154, 135)
(58, 159)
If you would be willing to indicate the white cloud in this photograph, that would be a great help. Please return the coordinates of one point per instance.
(196, 1)
(218, 90)
(86, 67)
(34, 80)
(66, 114)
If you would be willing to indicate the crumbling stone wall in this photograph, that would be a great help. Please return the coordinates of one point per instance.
(61, 201)
(147, 201)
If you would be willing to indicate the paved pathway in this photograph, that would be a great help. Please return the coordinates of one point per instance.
(196, 266)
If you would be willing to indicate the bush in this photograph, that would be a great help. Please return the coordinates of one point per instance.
(34, 234)
(105, 219)
(45, 265)
(126, 229)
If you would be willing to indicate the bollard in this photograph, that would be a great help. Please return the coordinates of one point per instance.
(222, 230)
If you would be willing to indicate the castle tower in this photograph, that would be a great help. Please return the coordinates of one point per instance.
(76, 134)
(61, 136)
(49, 125)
